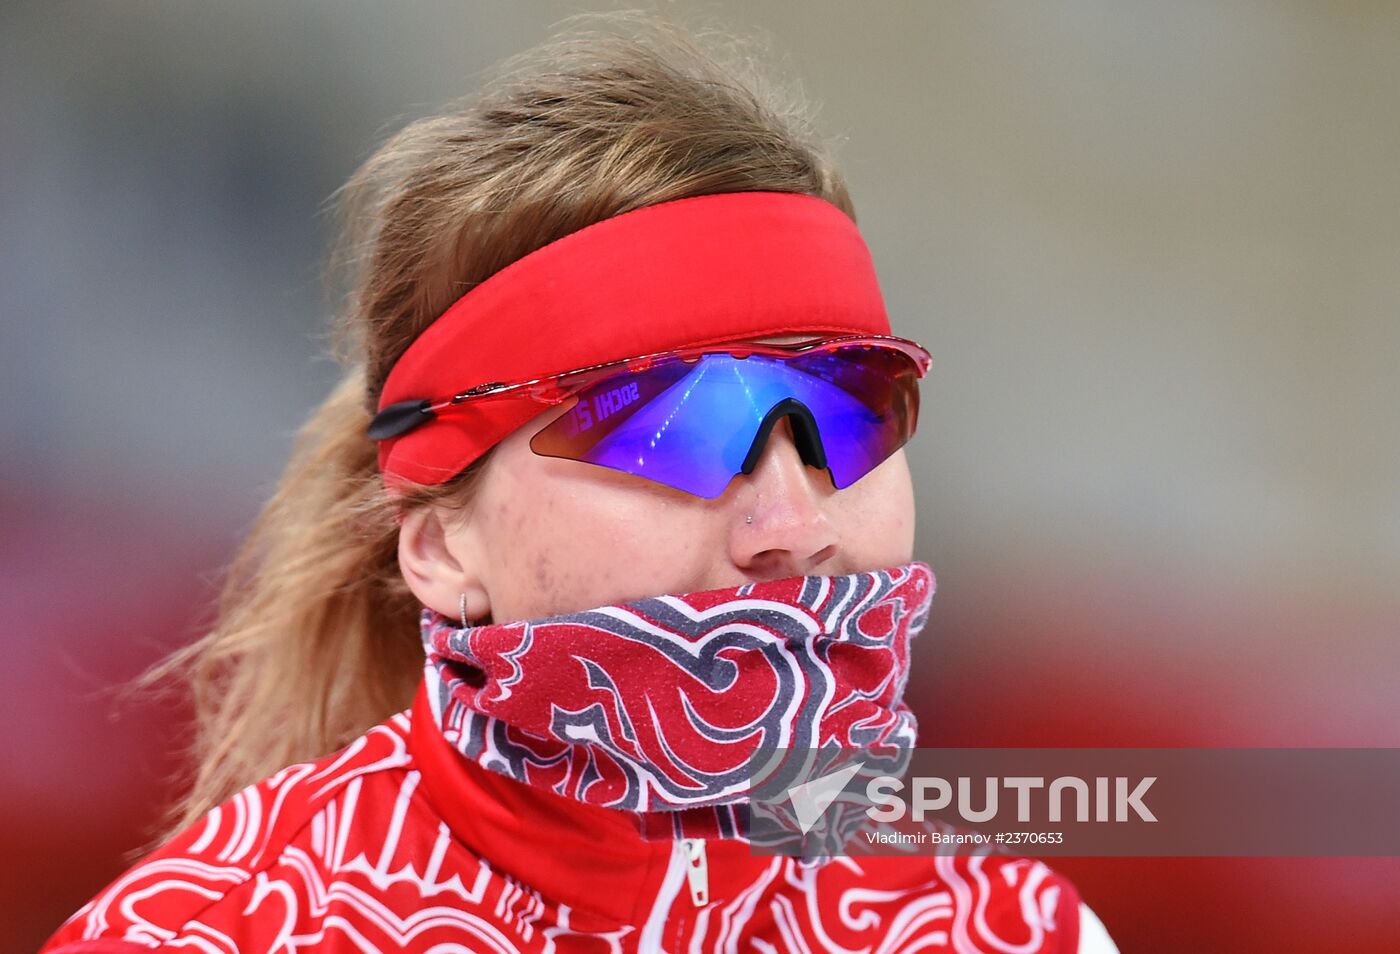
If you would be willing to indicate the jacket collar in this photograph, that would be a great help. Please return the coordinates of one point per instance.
(608, 862)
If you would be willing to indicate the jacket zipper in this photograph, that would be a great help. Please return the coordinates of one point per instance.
(687, 862)
(697, 870)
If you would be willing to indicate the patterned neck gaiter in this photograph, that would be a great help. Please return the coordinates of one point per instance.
(657, 704)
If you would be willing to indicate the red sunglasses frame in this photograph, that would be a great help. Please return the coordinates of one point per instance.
(554, 389)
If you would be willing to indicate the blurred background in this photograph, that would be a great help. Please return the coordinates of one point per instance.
(1154, 249)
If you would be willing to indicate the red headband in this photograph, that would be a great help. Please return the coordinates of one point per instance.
(679, 274)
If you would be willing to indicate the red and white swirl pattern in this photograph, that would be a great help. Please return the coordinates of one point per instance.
(658, 704)
(474, 820)
(347, 854)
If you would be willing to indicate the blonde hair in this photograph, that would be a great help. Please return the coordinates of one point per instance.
(315, 635)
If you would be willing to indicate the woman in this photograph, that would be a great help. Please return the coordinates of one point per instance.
(619, 449)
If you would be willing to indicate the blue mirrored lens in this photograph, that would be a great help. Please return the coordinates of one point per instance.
(690, 425)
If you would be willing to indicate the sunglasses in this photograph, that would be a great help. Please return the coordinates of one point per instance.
(694, 418)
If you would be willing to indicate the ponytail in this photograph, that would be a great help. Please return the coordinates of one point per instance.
(317, 634)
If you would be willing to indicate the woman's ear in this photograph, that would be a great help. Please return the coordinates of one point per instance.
(438, 557)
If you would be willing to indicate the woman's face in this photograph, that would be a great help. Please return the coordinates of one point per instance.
(545, 535)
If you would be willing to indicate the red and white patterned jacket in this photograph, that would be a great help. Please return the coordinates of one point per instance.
(397, 843)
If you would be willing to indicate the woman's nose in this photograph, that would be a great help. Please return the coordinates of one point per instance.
(791, 533)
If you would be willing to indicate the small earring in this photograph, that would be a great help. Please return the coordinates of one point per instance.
(749, 519)
(462, 608)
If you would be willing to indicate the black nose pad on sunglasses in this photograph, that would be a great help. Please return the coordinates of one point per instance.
(804, 435)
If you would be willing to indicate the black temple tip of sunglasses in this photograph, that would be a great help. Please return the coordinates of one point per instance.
(400, 418)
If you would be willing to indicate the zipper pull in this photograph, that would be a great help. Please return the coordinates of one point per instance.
(697, 870)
